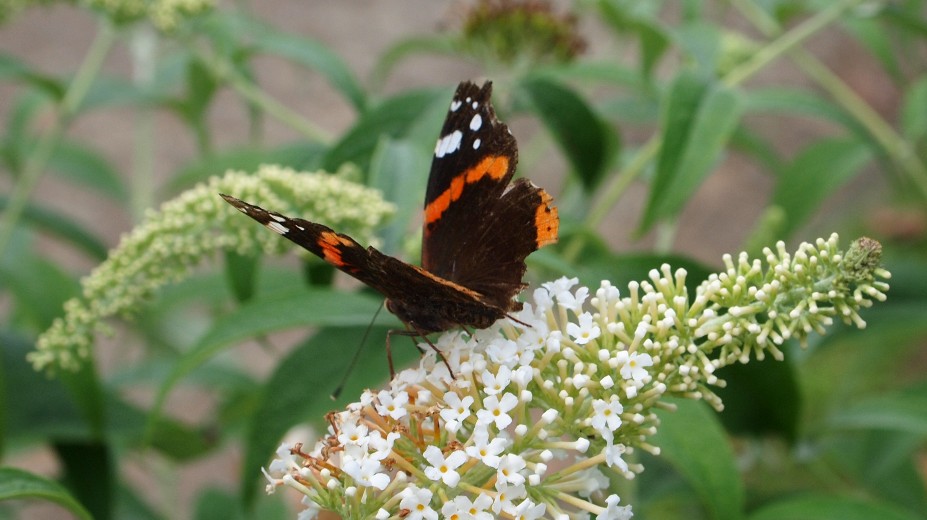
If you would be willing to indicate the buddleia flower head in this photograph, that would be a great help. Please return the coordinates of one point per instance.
(191, 228)
(541, 409)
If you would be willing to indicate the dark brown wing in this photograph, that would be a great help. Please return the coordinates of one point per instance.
(479, 228)
(418, 297)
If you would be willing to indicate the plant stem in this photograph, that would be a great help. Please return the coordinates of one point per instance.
(893, 145)
(39, 156)
(785, 43)
(144, 60)
(254, 94)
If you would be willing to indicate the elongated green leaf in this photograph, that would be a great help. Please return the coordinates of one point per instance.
(761, 398)
(587, 142)
(262, 315)
(692, 440)
(818, 507)
(62, 227)
(396, 167)
(232, 29)
(439, 44)
(815, 174)
(88, 472)
(23, 275)
(394, 117)
(299, 390)
(901, 411)
(698, 122)
(82, 165)
(13, 68)
(16, 484)
(914, 110)
(801, 103)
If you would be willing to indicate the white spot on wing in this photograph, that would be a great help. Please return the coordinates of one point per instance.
(278, 218)
(448, 144)
(475, 105)
(476, 122)
(277, 228)
(476, 144)
(455, 105)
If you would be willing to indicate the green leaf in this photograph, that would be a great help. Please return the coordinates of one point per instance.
(241, 272)
(299, 391)
(265, 314)
(761, 398)
(914, 110)
(396, 166)
(11, 68)
(821, 507)
(16, 484)
(692, 440)
(817, 172)
(898, 411)
(25, 272)
(697, 124)
(588, 143)
(441, 44)
(801, 103)
(82, 165)
(873, 35)
(62, 227)
(88, 472)
(299, 49)
(394, 117)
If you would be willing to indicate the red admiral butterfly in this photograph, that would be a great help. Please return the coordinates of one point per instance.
(478, 229)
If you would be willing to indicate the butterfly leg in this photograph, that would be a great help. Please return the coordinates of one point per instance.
(413, 334)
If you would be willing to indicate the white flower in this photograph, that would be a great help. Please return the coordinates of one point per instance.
(417, 501)
(496, 410)
(613, 512)
(442, 468)
(607, 415)
(461, 508)
(366, 472)
(528, 510)
(353, 433)
(634, 368)
(392, 406)
(573, 302)
(496, 383)
(505, 495)
(585, 331)
(613, 453)
(509, 471)
(486, 450)
(380, 445)
(457, 410)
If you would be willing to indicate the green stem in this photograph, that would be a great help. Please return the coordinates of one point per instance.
(893, 145)
(39, 156)
(257, 96)
(143, 51)
(785, 43)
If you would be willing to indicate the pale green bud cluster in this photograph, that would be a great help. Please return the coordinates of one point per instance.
(192, 227)
(165, 15)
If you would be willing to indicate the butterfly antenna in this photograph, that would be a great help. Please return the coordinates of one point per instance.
(353, 363)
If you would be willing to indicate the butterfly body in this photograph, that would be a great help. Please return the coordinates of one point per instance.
(478, 228)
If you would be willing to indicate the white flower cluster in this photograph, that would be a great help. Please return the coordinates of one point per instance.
(539, 408)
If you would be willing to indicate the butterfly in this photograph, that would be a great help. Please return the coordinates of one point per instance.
(478, 228)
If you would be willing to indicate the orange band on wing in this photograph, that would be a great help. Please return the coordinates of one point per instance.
(546, 221)
(494, 166)
(331, 247)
